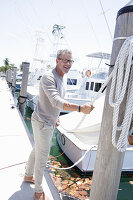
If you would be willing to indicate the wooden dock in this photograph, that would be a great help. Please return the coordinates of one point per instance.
(15, 147)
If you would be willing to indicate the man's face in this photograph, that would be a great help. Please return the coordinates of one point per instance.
(64, 63)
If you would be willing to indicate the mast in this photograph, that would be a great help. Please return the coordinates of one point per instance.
(39, 58)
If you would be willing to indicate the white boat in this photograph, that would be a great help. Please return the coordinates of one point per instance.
(18, 81)
(89, 87)
(76, 138)
(80, 88)
(72, 87)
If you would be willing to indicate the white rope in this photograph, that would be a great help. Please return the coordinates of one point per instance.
(120, 81)
(74, 163)
(91, 103)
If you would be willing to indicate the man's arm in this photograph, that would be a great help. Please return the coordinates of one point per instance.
(86, 108)
(51, 91)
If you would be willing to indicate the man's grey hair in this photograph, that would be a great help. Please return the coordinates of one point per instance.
(62, 51)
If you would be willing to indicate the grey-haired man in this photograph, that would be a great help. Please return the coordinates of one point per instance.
(46, 117)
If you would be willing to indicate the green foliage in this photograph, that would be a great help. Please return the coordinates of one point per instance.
(6, 66)
(6, 61)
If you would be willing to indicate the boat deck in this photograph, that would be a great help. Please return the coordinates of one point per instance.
(15, 146)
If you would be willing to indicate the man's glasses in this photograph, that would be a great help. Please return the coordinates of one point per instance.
(66, 61)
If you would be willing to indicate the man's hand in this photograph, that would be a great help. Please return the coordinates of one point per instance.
(58, 122)
(86, 108)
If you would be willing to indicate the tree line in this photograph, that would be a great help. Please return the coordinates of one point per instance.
(6, 66)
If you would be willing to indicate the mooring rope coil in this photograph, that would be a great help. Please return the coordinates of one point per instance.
(119, 83)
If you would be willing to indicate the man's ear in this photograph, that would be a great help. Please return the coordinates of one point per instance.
(57, 60)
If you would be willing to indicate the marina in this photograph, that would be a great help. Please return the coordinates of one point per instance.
(69, 183)
(92, 145)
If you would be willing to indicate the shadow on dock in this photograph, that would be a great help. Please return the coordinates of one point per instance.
(26, 192)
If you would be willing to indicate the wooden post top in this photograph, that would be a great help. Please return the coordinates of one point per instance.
(126, 9)
(25, 63)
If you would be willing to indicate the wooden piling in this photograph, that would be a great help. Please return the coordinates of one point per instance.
(9, 77)
(14, 80)
(109, 160)
(23, 91)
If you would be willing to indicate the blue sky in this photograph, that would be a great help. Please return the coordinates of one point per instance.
(86, 29)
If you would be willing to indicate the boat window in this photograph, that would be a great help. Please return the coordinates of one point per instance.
(87, 86)
(20, 75)
(71, 81)
(92, 86)
(97, 87)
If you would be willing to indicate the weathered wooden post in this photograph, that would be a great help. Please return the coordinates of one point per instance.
(109, 160)
(23, 91)
(14, 80)
(9, 77)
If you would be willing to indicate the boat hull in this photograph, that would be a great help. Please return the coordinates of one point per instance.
(74, 152)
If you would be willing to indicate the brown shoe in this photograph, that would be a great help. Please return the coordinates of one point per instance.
(39, 196)
(29, 179)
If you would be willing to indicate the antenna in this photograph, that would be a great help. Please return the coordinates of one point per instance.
(58, 35)
(57, 31)
(105, 19)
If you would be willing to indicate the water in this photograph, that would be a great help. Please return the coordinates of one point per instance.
(72, 182)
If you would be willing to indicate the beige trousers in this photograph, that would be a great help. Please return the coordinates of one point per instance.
(39, 155)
